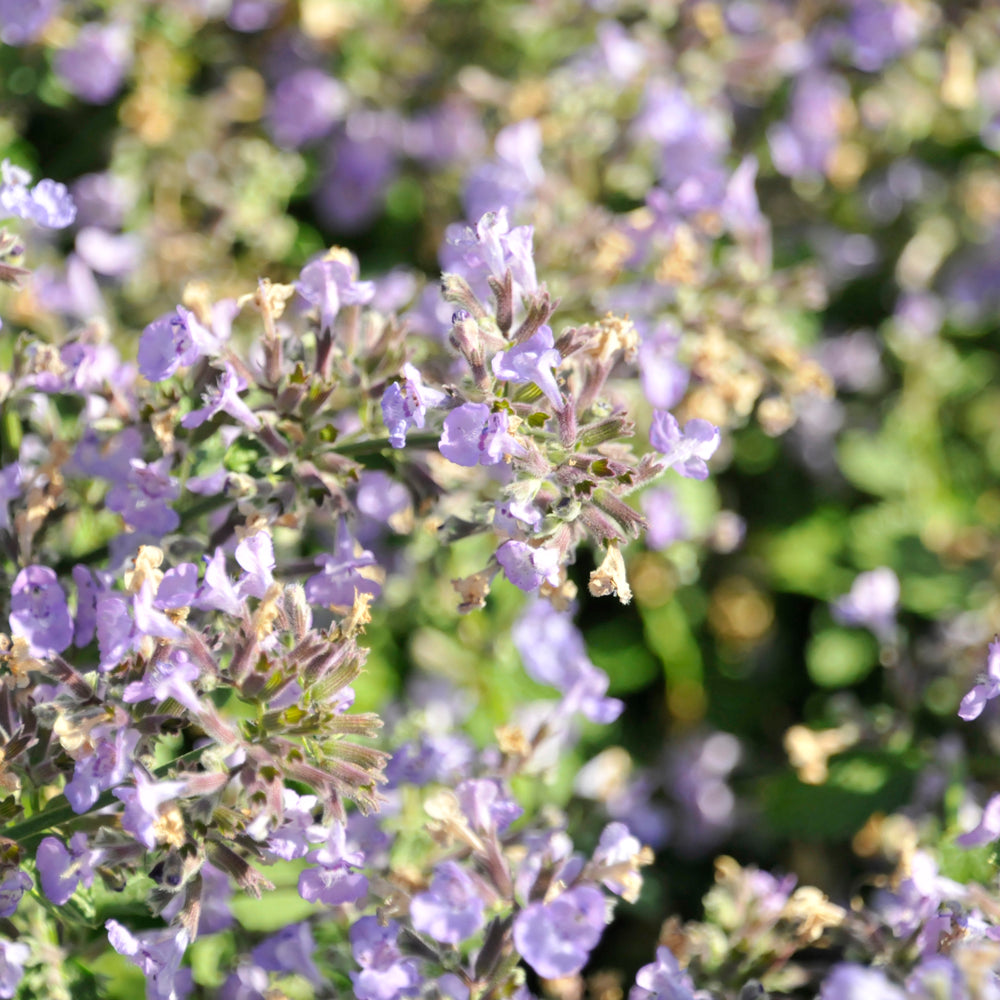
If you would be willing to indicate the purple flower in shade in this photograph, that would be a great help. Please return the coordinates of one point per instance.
(937, 978)
(534, 360)
(472, 435)
(615, 853)
(332, 282)
(487, 805)
(515, 517)
(433, 757)
(404, 405)
(290, 950)
(666, 523)
(142, 805)
(171, 677)
(87, 588)
(38, 611)
(21, 21)
(13, 886)
(988, 829)
(556, 938)
(158, 954)
(509, 179)
(452, 910)
(111, 254)
(216, 891)
(106, 766)
(854, 982)
(108, 458)
(381, 498)
(304, 107)
(217, 591)
(805, 142)
(871, 603)
(334, 880)
(247, 982)
(298, 827)
(144, 498)
(878, 31)
(252, 15)
(256, 558)
(11, 480)
(553, 652)
(225, 398)
(526, 566)
(178, 588)
(385, 974)
(662, 980)
(60, 870)
(688, 451)
(95, 65)
(349, 569)
(664, 379)
(359, 169)
(13, 954)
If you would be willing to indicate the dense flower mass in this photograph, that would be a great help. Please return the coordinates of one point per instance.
(354, 354)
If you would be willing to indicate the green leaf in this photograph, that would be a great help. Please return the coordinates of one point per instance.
(836, 657)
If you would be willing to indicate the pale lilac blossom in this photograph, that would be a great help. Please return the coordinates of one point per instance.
(662, 980)
(687, 451)
(224, 397)
(405, 404)
(556, 938)
(38, 611)
(871, 603)
(158, 954)
(452, 909)
(14, 883)
(13, 957)
(534, 360)
(94, 66)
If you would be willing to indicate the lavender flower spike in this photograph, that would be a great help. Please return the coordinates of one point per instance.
(687, 451)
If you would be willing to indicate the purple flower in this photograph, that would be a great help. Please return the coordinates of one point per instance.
(491, 249)
(349, 569)
(359, 171)
(535, 360)
(509, 179)
(334, 880)
(171, 677)
(871, 603)
(332, 282)
(854, 982)
(666, 522)
(144, 498)
(167, 344)
(452, 910)
(47, 204)
(304, 107)
(664, 379)
(805, 142)
(290, 950)
(553, 652)
(95, 65)
(404, 405)
(988, 829)
(487, 805)
(13, 886)
(224, 397)
(662, 980)
(158, 954)
(21, 21)
(178, 588)
(687, 451)
(13, 954)
(556, 938)
(11, 479)
(298, 828)
(385, 974)
(142, 805)
(527, 566)
(216, 892)
(61, 870)
(38, 611)
(937, 978)
(473, 435)
(256, 557)
(217, 591)
(106, 766)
